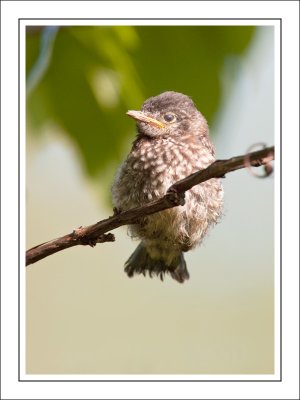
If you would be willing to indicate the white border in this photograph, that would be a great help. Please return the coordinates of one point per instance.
(277, 205)
(276, 375)
(149, 22)
(288, 388)
(22, 171)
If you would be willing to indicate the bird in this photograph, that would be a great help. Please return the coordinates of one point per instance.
(172, 142)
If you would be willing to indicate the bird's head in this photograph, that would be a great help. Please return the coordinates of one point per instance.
(169, 114)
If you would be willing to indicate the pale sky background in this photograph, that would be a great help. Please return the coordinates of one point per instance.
(84, 316)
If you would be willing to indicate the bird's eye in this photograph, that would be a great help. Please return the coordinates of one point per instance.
(169, 117)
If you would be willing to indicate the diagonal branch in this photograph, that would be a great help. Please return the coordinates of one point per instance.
(97, 233)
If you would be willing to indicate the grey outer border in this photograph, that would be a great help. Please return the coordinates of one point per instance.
(280, 166)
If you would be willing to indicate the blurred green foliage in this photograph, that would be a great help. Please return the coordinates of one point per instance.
(84, 78)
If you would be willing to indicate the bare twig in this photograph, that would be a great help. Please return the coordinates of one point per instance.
(97, 233)
(267, 170)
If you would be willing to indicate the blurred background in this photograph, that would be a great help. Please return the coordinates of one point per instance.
(83, 314)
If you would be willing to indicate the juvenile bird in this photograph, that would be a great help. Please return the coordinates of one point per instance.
(172, 142)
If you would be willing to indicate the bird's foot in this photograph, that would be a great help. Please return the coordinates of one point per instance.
(176, 198)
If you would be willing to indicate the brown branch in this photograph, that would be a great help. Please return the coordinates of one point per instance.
(93, 234)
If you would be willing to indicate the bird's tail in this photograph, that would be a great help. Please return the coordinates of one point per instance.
(140, 262)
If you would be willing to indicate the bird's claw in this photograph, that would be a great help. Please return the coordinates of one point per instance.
(176, 198)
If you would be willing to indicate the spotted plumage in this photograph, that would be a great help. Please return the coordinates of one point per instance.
(172, 142)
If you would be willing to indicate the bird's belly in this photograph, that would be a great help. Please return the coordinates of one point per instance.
(183, 226)
(146, 179)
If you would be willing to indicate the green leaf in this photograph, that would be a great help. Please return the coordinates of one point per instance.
(95, 74)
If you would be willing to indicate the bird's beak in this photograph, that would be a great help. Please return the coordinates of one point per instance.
(141, 117)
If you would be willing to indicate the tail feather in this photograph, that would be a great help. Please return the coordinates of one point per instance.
(140, 262)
